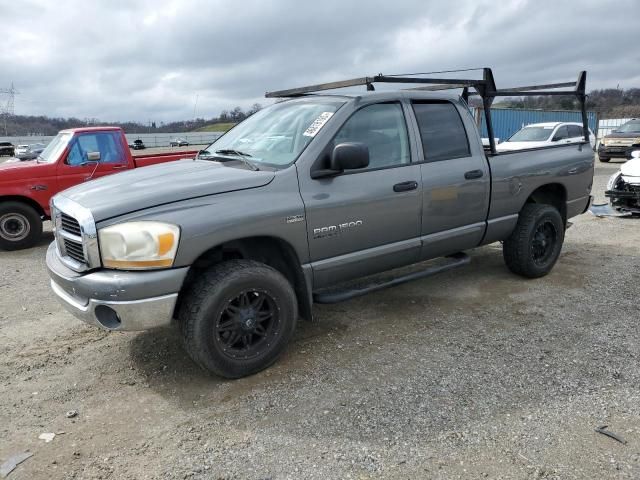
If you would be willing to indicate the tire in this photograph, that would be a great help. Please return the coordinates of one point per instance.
(243, 300)
(20, 226)
(534, 246)
(604, 159)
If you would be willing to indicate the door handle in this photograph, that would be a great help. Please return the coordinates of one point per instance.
(405, 186)
(119, 167)
(471, 174)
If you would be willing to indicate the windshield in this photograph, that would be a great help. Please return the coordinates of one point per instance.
(55, 147)
(630, 127)
(277, 134)
(532, 134)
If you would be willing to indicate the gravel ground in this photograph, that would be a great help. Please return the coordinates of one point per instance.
(475, 373)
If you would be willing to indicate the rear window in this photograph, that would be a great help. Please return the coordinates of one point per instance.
(441, 130)
(575, 131)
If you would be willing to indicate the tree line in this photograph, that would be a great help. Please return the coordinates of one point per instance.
(25, 125)
(609, 102)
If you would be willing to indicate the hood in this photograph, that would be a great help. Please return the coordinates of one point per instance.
(631, 171)
(160, 184)
(623, 135)
(508, 146)
(16, 169)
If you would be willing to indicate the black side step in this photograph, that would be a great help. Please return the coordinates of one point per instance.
(335, 296)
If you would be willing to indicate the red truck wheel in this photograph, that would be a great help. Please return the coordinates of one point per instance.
(20, 226)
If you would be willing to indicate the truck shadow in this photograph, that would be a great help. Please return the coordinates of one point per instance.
(346, 336)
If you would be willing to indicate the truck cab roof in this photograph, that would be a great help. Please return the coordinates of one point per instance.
(381, 95)
(90, 129)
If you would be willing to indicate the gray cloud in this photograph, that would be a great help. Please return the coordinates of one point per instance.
(143, 59)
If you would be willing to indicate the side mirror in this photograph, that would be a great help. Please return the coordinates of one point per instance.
(349, 156)
(93, 157)
(345, 156)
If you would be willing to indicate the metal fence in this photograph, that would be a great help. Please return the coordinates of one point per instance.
(507, 121)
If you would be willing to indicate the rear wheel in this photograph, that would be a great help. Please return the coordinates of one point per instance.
(534, 246)
(20, 226)
(237, 318)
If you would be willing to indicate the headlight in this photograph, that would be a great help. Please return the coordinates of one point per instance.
(139, 245)
(612, 180)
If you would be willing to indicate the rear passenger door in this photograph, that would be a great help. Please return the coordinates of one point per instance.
(455, 177)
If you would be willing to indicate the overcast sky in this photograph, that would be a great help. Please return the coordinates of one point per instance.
(149, 59)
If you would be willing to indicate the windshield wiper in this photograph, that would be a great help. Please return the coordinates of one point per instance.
(241, 155)
(230, 151)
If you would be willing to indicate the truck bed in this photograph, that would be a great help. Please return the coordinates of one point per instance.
(161, 155)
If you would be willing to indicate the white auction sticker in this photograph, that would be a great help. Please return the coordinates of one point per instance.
(317, 124)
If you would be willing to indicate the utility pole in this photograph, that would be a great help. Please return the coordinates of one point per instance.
(195, 104)
(8, 108)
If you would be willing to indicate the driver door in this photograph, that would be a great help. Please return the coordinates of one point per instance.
(367, 220)
(77, 167)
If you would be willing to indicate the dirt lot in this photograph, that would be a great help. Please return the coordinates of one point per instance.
(475, 373)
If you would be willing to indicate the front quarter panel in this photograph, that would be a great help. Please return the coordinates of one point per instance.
(274, 210)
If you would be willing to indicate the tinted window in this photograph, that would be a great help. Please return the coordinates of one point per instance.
(442, 132)
(561, 133)
(107, 143)
(382, 128)
(575, 131)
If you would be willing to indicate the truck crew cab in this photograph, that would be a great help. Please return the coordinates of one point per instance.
(308, 193)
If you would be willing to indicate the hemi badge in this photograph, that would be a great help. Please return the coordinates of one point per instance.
(295, 218)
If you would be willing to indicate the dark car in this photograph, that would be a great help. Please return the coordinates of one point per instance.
(620, 142)
(7, 148)
(138, 145)
(178, 142)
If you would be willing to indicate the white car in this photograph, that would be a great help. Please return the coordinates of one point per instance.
(21, 149)
(544, 135)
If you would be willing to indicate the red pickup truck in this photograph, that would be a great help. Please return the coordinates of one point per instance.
(74, 156)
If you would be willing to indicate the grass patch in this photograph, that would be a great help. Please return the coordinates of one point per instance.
(216, 127)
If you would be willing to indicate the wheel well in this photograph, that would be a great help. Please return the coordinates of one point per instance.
(271, 251)
(552, 194)
(26, 200)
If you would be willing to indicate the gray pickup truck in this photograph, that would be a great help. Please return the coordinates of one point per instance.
(296, 201)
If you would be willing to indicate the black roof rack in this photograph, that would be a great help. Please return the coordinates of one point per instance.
(484, 87)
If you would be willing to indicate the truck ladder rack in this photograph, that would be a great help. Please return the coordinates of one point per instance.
(484, 87)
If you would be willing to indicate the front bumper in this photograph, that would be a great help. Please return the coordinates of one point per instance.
(117, 300)
(616, 151)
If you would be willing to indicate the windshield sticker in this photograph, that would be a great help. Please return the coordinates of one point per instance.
(317, 124)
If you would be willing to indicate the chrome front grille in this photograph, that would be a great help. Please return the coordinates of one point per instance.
(74, 250)
(70, 224)
(75, 232)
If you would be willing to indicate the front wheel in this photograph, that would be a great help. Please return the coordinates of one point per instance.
(534, 246)
(604, 159)
(20, 226)
(238, 317)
